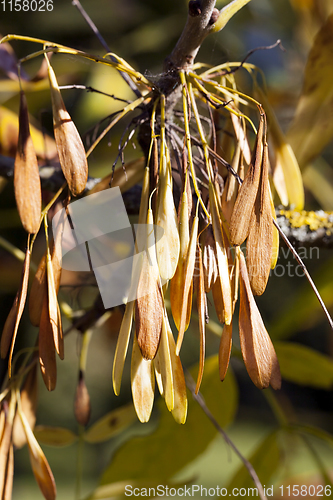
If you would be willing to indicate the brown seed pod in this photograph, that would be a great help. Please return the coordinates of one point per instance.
(223, 278)
(257, 349)
(149, 305)
(39, 464)
(12, 323)
(167, 247)
(189, 270)
(179, 411)
(29, 393)
(39, 284)
(47, 357)
(53, 307)
(126, 324)
(37, 291)
(231, 187)
(241, 215)
(7, 414)
(177, 283)
(259, 243)
(26, 174)
(202, 311)
(209, 259)
(225, 350)
(143, 383)
(163, 367)
(72, 155)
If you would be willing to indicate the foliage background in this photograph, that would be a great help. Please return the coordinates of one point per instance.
(144, 32)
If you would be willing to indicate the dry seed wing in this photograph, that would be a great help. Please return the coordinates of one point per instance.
(259, 245)
(26, 175)
(241, 215)
(72, 155)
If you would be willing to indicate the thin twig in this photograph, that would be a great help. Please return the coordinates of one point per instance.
(92, 89)
(94, 28)
(306, 272)
(248, 55)
(200, 400)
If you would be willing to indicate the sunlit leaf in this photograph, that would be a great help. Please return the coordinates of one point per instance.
(227, 13)
(312, 127)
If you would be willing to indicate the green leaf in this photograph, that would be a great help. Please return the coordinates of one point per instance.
(312, 127)
(265, 461)
(111, 424)
(304, 366)
(54, 436)
(160, 455)
(314, 431)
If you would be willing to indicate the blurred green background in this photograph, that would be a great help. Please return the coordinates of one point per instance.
(144, 33)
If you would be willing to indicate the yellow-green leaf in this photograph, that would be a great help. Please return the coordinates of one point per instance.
(54, 436)
(111, 424)
(227, 13)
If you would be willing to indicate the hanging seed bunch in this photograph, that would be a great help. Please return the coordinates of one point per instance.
(206, 186)
(220, 207)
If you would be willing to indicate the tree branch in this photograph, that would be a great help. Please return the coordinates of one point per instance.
(197, 27)
(203, 18)
(307, 229)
